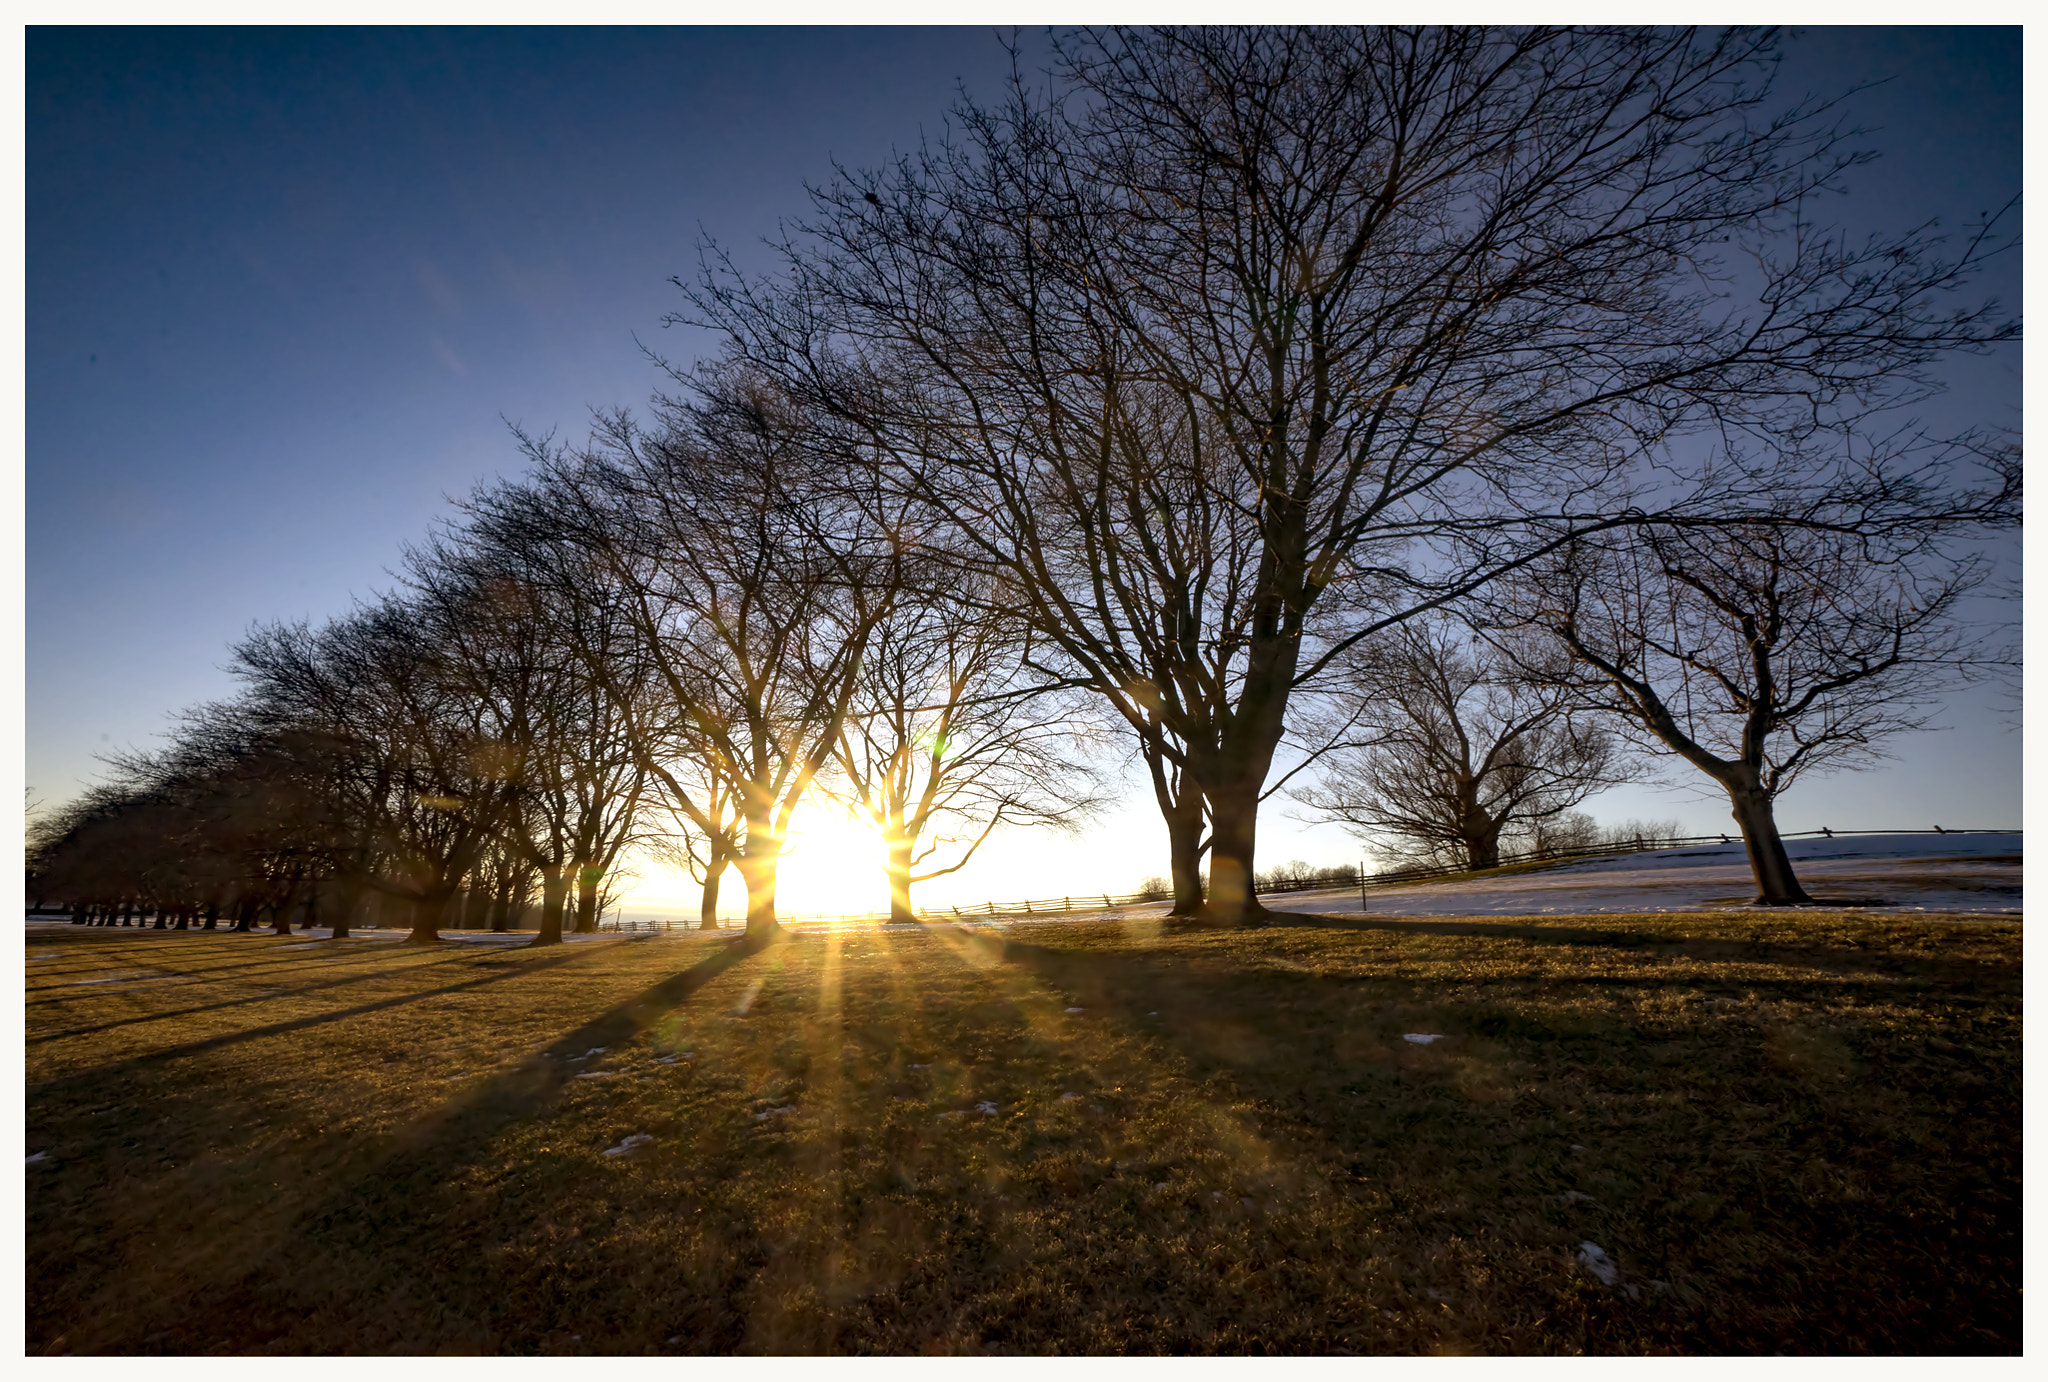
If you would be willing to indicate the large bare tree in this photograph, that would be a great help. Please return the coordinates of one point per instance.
(1233, 346)
(1759, 652)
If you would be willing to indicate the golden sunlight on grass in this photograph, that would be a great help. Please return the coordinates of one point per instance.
(1790, 1135)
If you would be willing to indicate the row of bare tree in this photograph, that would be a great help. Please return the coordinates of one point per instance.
(667, 638)
(1200, 390)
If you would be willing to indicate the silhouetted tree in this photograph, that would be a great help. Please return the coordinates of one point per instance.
(1759, 652)
(750, 576)
(948, 737)
(421, 767)
(1400, 290)
(1445, 748)
(515, 644)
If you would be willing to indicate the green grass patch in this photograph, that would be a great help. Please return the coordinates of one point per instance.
(1792, 1134)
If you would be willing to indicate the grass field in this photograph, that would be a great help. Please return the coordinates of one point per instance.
(1794, 1134)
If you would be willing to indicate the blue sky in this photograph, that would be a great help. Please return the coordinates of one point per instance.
(285, 287)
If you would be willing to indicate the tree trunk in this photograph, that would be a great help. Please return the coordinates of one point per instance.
(1232, 771)
(707, 909)
(554, 889)
(1234, 828)
(245, 915)
(898, 871)
(1184, 841)
(428, 912)
(1776, 884)
(759, 868)
(501, 904)
(348, 894)
(587, 880)
(212, 916)
(1181, 807)
(1482, 844)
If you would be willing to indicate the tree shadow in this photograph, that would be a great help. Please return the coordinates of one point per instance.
(297, 1024)
(226, 1003)
(369, 1218)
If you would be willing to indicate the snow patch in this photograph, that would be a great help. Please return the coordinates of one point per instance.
(1594, 1259)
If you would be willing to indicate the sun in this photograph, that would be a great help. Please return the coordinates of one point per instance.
(831, 864)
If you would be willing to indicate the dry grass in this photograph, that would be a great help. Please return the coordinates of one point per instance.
(1794, 1134)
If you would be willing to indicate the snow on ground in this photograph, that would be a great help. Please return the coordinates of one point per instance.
(1978, 874)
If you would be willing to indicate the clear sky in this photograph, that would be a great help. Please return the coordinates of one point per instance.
(286, 287)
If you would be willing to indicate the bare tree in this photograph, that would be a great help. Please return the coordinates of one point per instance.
(517, 646)
(1445, 748)
(947, 740)
(1388, 295)
(424, 773)
(1756, 652)
(749, 579)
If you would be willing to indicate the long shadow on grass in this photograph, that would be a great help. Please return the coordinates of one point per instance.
(266, 997)
(1477, 1138)
(357, 1231)
(240, 967)
(193, 1048)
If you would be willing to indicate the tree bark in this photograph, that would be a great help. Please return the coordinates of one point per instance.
(1482, 841)
(1234, 828)
(427, 914)
(501, 905)
(707, 910)
(1184, 823)
(759, 868)
(898, 871)
(554, 891)
(1776, 884)
(1181, 807)
(348, 895)
(587, 879)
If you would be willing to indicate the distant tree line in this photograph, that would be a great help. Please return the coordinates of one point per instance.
(1426, 422)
